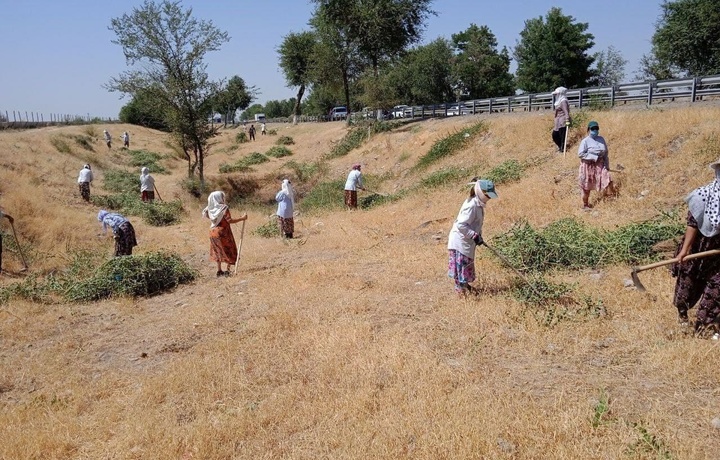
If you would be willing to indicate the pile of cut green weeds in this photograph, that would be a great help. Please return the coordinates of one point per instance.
(571, 244)
(244, 164)
(359, 134)
(144, 158)
(90, 277)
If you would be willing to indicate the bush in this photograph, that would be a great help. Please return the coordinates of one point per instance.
(285, 140)
(234, 167)
(120, 181)
(272, 132)
(306, 171)
(356, 136)
(241, 137)
(446, 176)
(450, 145)
(278, 151)
(267, 230)
(158, 213)
(193, 186)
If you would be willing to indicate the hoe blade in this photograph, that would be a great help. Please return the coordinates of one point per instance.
(636, 281)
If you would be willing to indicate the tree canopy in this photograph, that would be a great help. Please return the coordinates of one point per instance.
(479, 69)
(165, 47)
(296, 60)
(553, 52)
(688, 37)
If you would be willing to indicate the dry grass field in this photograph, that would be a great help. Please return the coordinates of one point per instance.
(348, 342)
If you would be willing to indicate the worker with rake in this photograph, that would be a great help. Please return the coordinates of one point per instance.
(562, 118)
(222, 241)
(286, 205)
(84, 179)
(352, 184)
(466, 234)
(699, 279)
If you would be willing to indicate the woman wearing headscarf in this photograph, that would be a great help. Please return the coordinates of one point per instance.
(594, 171)
(562, 117)
(222, 241)
(466, 234)
(699, 279)
(147, 185)
(286, 206)
(122, 231)
(84, 179)
(352, 184)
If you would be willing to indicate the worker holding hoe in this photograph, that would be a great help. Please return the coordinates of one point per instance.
(699, 279)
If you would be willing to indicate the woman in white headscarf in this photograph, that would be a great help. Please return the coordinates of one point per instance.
(147, 185)
(466, 234)
(84, 179)
(699, 279)
(562, 117)
(286, 206)
(222, 241)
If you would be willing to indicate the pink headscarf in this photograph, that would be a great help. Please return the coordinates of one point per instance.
(356, 166)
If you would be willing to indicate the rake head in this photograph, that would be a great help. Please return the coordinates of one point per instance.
(636, 280)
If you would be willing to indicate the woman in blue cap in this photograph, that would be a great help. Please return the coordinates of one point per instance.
(594, 171)
(466, 234)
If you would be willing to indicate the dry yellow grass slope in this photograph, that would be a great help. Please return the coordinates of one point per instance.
(348, 341)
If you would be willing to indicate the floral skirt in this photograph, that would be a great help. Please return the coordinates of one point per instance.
(593, 176)
(84, 190)
(124, 239)
(287, 225)
(222, 244)
(461, 268)
(351, 198)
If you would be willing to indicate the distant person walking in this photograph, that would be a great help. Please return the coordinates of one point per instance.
(222, 241)
(84, 179)
(699, 279)
(108, 138)
(262, 128)
(251, 132)
(466, 235)
(126, 139)
(286, 207)
(352, 184)
(147, 185)
(562, 117)
(594, 171)
(122, 230)
(11, 220)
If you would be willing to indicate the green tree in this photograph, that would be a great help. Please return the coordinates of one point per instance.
(688, 37)
(553, 52)
(164, 47)
(143, 110)
(651, 68)
(423, 76)
(296, 57)
(356, 33)
(233, 97)
(480, 70)
(609, 67)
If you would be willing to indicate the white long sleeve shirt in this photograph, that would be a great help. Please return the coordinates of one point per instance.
(147, 183)
(354, 180)
(469, 223)
(85, 175)
(594, 149)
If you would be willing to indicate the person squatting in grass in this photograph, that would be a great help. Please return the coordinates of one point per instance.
(594, 171)
(108, 138)
(122, 230)
(84, 179)
(353, 182)
(286, 206)
(466, 234)
(699, 279)
(147, 185)
(222, 241)
(11, 220)
(562, 117)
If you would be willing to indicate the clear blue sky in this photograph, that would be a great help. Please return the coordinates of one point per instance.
(57, 54)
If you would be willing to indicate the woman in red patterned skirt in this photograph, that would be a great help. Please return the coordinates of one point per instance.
(222, 241)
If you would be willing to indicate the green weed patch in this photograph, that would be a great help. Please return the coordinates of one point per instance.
(324, 196)
(144, 158)
(278, 151)
(450, 145)
(158, 213)
(267, 230)
(284, 140)
(359, 134)
(505, 172)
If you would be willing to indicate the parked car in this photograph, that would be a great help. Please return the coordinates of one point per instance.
(458, 109)
(338, 113)
(399, 111)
